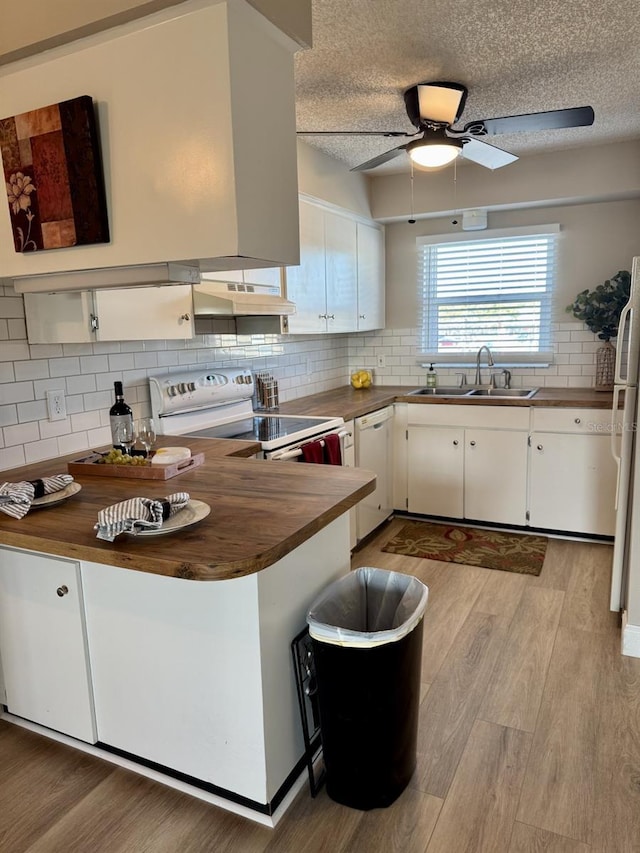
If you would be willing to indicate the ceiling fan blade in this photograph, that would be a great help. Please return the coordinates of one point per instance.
(548, 120)
(486, 155)
(355, 133)
(438, 102)
(379, 160)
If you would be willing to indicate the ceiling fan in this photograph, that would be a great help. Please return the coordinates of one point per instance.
(434, 107)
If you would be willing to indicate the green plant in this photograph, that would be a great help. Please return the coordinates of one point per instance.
(600, 308)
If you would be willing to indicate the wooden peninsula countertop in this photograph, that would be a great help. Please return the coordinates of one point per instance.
(348, 402)
(260, 511)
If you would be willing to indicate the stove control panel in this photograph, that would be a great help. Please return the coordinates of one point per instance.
(187, 391)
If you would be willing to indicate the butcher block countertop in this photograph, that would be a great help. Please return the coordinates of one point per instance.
(348, 402)
(260, 511)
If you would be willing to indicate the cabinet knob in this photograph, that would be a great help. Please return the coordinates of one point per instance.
(455, 442)
(185, 317)
(331, 316)
(322, 316)
(577, 421)
(539, 447)
(472, 443)
(362, 316)
(62, 590)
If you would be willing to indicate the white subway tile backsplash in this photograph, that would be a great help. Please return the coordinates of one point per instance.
(77, 349)
(12, 457)
(16, 392)
(52, 429)
(11, 307)
(72, 442)
(17, 329)
(84, 421)
(21, 433)
(46, 350)
(39, 450)
(34, 369)
(121, 361)
(4, 330)
(69, 366)
(14, 351)
(80, 384)
(94, 363)
(33, 411)
(8, 415)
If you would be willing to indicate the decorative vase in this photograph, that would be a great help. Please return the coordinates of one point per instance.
(605, 367)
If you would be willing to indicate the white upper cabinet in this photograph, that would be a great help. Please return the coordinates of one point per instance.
(127, 314)
(179, 96)
(371, 278)
(306, 283)
(341, 273)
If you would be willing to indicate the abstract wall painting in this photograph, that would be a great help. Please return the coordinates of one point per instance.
(53, 176)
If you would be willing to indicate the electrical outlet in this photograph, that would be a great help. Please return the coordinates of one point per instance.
(56, 405)
(381, 361)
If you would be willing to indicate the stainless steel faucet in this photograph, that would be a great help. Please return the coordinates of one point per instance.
(489, 362)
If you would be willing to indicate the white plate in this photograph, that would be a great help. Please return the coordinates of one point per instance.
(192, 513)
(57, 497)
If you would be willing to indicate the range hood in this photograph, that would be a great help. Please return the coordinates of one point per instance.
(226, 299)
(148, 275)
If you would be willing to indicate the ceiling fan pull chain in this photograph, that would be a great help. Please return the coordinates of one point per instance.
(412, 219)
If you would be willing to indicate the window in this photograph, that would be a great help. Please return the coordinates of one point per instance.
(494, 289)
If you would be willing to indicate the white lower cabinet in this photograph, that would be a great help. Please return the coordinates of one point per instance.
(43, 643)
(479, 474)
(572, 477)
(547, 468)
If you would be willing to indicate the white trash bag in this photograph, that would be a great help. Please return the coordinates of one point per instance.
(368, 608)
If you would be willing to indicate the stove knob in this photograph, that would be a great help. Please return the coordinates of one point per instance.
(182, 388)
(172, 391)
(191, 386)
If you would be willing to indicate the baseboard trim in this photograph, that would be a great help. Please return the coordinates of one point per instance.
(630, 638)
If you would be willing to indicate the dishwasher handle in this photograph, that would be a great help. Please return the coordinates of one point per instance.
(374, 419)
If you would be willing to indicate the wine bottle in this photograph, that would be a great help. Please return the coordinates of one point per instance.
(118, 413)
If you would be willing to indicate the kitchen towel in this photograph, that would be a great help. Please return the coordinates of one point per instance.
(332, 452)
(16, 498)
(313, 451)
(137, 514)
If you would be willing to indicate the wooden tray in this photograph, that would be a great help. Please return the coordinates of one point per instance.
(90, 465)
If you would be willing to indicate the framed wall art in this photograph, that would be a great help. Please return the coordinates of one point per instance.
(53, 176)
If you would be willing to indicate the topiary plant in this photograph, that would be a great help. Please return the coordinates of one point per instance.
(600, 308)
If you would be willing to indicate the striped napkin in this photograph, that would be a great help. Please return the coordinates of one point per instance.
(137, 514)
(16, 498)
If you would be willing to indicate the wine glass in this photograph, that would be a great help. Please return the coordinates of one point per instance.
(147, 434)
(125, 435)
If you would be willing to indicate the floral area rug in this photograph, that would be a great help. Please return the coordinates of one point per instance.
(489, 549)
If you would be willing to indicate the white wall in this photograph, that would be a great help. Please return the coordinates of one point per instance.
(325, 178)
(596, 240)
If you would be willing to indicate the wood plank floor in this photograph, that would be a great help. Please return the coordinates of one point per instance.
(529, 740)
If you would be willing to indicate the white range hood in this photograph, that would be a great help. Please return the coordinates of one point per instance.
(217, 299)
(195, 109)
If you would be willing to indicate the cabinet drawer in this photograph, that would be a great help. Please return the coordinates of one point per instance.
(489, 417)
(597, 421)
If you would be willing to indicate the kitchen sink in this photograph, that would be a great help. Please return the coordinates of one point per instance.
(503, 392)
(441, 391)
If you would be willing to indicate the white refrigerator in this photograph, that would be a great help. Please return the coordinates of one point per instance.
(625, 580)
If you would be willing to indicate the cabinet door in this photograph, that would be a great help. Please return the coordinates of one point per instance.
(341, 272)
(306, 282)
(145, 313)
(59, 318)
(43, 643)
(371, 277)
(572, 483)
(495, 475)
(436, 464)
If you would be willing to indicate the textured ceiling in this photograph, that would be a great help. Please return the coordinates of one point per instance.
(514, 56)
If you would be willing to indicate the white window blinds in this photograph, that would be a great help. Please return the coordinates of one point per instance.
(495, 289)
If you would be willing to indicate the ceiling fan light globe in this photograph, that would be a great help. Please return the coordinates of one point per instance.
(430, 155)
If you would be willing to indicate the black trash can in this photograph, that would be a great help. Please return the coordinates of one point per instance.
(366, 630)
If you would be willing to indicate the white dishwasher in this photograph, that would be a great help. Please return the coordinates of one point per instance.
(373, 452)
